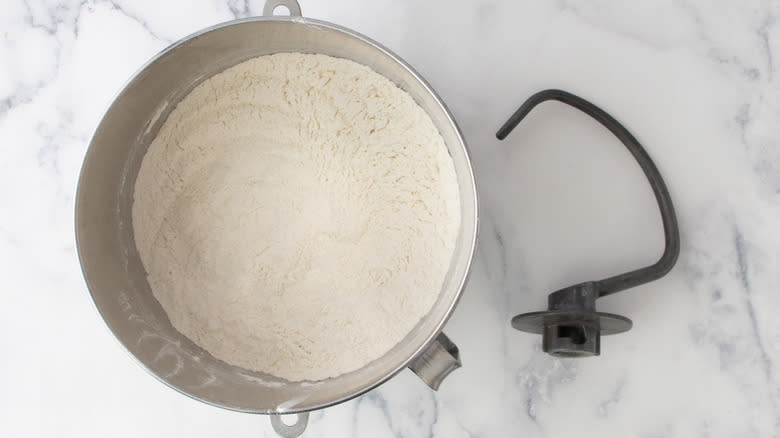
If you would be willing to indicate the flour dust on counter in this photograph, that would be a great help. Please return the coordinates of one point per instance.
(296, 215)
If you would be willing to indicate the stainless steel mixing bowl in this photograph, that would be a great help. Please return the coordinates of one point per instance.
(116, 277)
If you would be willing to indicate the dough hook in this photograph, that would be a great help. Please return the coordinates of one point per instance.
(571, 326)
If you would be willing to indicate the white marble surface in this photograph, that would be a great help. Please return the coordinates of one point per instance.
(695, 80)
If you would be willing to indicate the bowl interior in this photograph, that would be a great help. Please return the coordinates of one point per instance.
(113, 270)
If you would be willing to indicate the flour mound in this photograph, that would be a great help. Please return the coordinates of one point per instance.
(296, 215)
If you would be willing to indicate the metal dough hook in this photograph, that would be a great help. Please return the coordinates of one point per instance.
(571, 326)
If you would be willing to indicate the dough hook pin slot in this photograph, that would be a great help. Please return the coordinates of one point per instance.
(571, 326)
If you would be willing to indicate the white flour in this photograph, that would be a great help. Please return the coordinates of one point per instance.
(296, 215)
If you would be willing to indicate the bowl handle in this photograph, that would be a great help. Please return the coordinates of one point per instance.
(290, 431)
(437, 361)
(291, 5)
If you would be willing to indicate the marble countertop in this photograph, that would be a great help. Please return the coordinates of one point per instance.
(561, 202)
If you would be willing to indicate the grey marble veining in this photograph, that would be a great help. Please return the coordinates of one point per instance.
(561, 202)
